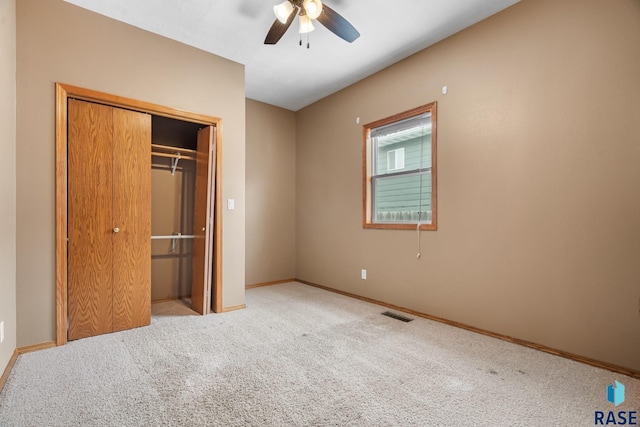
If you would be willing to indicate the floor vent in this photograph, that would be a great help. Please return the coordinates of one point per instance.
(397, 316)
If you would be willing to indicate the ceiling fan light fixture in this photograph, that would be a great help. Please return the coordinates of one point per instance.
(313, 8)
(306, 26)
(283, 10)
(307, 11)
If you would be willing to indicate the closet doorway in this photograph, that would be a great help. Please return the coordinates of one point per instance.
(194, 236)
(181, 205)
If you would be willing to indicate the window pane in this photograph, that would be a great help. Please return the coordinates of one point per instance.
(391, 159)
(395, 159)
(400, 127)
(397, 199)
(407, 154)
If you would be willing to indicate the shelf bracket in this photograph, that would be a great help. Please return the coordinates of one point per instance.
(174, 164)
(174, 242)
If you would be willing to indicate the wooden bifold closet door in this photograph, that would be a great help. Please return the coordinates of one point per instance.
(109, 219)
(203, 221)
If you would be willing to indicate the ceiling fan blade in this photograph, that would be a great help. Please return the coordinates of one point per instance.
(278, 29)
(337, 24)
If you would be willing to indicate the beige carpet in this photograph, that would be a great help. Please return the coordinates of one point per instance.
(174, 308)
(301, 356)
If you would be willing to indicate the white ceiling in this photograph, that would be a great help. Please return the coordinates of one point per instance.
(289, 75)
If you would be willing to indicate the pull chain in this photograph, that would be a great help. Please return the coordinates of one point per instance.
(308, 44)
(420, 195)
(419, 250)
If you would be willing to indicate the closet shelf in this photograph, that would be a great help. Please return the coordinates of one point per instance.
(171, 149)
(173, 155)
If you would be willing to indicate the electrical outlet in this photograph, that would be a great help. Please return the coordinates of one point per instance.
(363, 274)
(1, 332)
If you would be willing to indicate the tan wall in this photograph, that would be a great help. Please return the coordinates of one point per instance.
(57, 41)
(270, 187)
(538, 157)
(8, 179)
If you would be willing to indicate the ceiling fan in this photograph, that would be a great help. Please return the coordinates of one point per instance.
(307, 11)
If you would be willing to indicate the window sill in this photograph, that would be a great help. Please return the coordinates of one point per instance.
(413, 227)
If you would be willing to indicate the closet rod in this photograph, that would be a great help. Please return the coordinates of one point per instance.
(173, 236)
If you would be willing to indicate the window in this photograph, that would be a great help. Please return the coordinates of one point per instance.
(395, 159)
(400, 171)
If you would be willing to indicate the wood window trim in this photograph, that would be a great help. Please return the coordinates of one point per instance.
(65, 91)
(367, 222)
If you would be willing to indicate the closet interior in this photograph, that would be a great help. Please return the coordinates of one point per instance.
(173, 180)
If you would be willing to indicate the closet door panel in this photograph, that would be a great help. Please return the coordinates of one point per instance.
(132, 216)
(211, 228)
(202, 224)
(89, 253)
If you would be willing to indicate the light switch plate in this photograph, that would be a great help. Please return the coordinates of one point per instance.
(1, 332)
(231, 204)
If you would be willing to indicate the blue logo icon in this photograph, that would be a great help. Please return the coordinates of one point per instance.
(615, 393)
